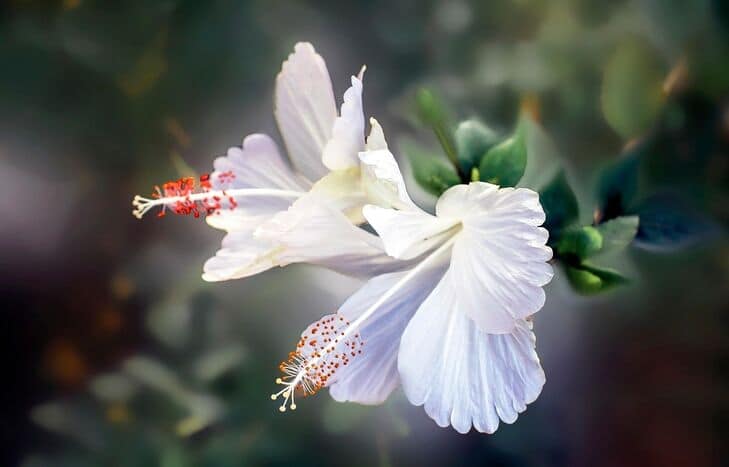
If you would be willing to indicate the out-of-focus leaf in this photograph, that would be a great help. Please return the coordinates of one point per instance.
(618, 185)
(632, 88)
(589, 280)
(174, 456)
(617, 233)
(433, 113)
(148, 68)
(76, 422)
(113, 387)
(431, 172)
(543, 160)
(581, 242)
(473, 140)
(203, 408)
(504, 164)
(668, 224)
(560, 205)
(218, 362)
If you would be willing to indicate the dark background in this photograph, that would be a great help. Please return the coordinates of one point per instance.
(102, 100)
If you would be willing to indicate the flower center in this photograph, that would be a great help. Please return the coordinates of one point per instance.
(186, 196)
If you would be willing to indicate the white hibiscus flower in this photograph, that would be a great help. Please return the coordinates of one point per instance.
(275, 214)
(454, 328)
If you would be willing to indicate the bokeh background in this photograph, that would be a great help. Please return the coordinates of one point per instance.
(118, 354)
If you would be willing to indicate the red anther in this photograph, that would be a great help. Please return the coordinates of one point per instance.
(205, 184)
(186, 187)
(226, 177)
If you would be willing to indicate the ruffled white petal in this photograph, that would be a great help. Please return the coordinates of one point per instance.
(499, 260)
(340, 152)
(256, 164)
(408, 234)
(305, 109)
(381, 177)
(463, 376)
(372, 376)
(312, 231)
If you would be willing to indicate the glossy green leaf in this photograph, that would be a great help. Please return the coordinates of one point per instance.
(504, 163)
(432, 173)
(473, 140)
(560, 205)
(589, 280)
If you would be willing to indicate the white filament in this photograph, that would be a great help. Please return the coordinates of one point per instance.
(142, 204)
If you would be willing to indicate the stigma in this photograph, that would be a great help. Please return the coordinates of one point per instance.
(188, 196)
(206, 195)
(323, 350)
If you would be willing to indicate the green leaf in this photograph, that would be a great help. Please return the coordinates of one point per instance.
(581, 242)
(589, 280)
(504, 163)
(618, 233)
(544, 161)
(560, 205)
(431, 172)
(631, 94)
(473, 140)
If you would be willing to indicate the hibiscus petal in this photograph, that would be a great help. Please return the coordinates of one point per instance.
(372, 376)
(463, 376)
(347, 139)
(376, 138)
(340, 190)
(305, 108)
(409, 233)
(312, 231)
(499, 260)
(381, 177)
(242, 255)
(256, 164)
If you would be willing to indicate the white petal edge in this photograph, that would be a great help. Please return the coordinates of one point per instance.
(242, 255)
(305, 109)
(376, 139)
(347, 140)
(463, 376)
